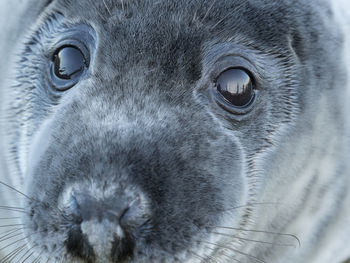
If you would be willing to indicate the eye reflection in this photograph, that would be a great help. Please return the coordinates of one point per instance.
(68, 66)
(236, 86)
(69, 62)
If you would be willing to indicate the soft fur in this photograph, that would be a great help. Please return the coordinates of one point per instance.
(268, 186)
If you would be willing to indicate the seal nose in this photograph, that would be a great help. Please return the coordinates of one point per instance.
(104, 228)
(87, 207)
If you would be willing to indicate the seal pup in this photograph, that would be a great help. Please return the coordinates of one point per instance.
(175, 131)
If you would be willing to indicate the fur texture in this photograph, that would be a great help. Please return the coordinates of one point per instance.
(141, 128)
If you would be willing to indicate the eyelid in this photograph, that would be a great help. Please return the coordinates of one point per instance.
(82, 36)
(217, 98)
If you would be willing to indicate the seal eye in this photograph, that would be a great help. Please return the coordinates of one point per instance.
(68, 66)
(69, 63)
(236, 87)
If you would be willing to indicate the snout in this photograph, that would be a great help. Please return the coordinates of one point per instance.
(131, 185)
(104, 221)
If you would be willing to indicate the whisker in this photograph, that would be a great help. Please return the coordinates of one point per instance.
(210, 257)
(260, 231)
(29, 254)
(10, 237)
(19, 240)
(209, 9)
(252, 204)
(220, 21)
(231, 258)
(13, 254)
(14, 189)
(256, 241)
(108, 10)
(122, 1)
(9, 218)
(235, 250)
(11, 230)
(13, 209)
(200, 258)
(2, 226)
(27, 251)
(38, 258)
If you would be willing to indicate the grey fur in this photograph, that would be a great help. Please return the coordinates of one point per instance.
(212, 186)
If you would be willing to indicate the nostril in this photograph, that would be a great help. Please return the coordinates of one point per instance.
(132, 215)
(123, 215)
(122, 249)
(77, 244)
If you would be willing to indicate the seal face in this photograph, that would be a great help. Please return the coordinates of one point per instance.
(187, 131)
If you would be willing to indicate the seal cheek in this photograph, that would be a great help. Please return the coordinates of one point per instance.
(37, 150)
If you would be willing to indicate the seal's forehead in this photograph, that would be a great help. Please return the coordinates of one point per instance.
(267, 21)
(238, 10)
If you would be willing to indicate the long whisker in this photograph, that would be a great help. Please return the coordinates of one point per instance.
(210, 257)
(231, 258)
(200, 258)
(9, 218)
(220, 21)
(10, 237)
(13, 254)
(38, 258)
(29, 254)
(256, 241)
(2, 226)
(252, 204)
(10, 231)
(208, 11)
(27, 251)
(18, 240)
(13, 209)
(21, 239)
(260, 231)
(108, 10)
(14, 189)
(235, 250)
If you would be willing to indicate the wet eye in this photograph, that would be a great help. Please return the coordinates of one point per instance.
(69, 63)
(67, 67)
(236, 87)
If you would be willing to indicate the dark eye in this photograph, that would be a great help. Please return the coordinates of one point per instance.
(236, 87)
(68, 66)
